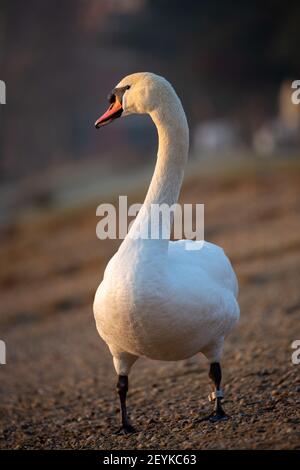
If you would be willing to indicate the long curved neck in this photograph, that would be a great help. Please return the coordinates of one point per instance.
(173, 137)
(172, 155)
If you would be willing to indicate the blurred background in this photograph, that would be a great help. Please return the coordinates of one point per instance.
(232, 64)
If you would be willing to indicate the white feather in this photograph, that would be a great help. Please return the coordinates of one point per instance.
(158, 299)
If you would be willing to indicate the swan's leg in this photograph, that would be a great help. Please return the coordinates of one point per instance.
(122, 389)
(213, 352)
(123, 363)
(215, 375)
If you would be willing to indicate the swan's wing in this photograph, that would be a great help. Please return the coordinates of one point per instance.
(210, 258)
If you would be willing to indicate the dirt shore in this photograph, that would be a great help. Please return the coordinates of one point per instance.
(58, 386)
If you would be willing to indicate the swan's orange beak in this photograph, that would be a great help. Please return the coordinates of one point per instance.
(114, 111)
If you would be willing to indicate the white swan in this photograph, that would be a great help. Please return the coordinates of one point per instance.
(157, 299)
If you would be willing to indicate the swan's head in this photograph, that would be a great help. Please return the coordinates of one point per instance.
(139, 93)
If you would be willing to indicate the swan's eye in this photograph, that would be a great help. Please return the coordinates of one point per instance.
(117, 93)
(111, 98)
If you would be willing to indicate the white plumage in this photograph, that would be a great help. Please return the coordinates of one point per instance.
(158, 299)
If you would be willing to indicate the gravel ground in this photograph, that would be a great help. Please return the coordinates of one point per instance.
(58, 386)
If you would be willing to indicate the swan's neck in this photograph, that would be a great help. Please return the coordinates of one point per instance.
(171, 158)
(173, 137)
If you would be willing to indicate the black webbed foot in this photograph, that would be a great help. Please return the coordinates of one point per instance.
(217, 416)
(124, 430)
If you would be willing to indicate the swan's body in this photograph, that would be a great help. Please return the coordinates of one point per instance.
(158, 299)
(166, 307)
